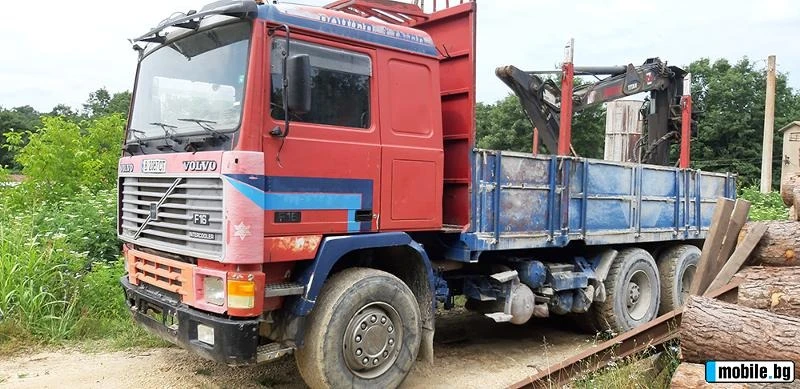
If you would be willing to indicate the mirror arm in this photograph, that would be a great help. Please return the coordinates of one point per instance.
(276, 132)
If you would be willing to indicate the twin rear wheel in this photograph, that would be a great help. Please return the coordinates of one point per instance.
(638, 289)
(364, 332)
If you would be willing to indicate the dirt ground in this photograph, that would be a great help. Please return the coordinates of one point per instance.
(471, 352)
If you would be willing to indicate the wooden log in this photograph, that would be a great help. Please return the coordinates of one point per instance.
(738, 258)
(775, 289)
(779, 246)
(714, 330)
(790, 194)
(693, 375)
(789, 190)
(716, 235)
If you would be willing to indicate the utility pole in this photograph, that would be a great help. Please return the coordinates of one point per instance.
(769, 126)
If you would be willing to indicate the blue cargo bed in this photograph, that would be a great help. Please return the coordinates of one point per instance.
(521, 201)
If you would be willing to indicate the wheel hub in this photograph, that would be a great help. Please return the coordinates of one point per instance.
(372, 340)
(639, 295)
(633, 294)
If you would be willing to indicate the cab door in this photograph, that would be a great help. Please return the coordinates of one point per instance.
(412, 147)
(324, 177)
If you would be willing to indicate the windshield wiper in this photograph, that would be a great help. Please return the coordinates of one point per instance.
(206, 125)
(140, 143)
(169, 131)
(169, 134)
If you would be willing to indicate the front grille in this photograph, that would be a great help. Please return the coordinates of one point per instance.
(166, 278)
(178, 226)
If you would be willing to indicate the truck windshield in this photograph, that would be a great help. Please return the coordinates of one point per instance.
(195, 82)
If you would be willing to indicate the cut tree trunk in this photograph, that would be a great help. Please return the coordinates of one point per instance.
(775, 289)
(693, 375)
(790, 190)
(779, 246)
(714, 330)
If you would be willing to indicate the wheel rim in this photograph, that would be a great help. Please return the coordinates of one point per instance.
(372, 340)
(639, 295)
(686, 281)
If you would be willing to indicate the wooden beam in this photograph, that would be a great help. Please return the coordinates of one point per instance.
(739, 256)
(738, 218)
(716, 235)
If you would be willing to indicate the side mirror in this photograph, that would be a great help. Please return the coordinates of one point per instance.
(298, 74)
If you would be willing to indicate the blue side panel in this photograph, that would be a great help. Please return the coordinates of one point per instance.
(332, 248)
(526, 201)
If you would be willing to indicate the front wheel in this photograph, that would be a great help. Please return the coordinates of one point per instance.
(364, 332)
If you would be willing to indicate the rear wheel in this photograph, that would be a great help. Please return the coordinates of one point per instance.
(364, 331)
(632, 292)
(676, 266)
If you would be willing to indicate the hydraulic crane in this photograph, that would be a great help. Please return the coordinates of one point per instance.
(664, 111)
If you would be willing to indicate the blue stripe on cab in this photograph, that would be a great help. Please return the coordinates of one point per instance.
(312, 201)
(352, 225)
(375, 36)
(272, 201)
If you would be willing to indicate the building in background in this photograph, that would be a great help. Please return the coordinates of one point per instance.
(623, 130)
(790, 164)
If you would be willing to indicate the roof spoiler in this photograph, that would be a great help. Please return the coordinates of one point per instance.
(247, 9)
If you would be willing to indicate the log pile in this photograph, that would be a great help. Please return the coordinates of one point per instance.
(790, 193)
(763, 320)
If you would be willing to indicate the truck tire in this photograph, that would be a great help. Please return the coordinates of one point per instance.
(676, 265)
(632, 292)
(364, 332)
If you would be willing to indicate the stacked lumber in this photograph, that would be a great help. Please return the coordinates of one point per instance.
(763, 321)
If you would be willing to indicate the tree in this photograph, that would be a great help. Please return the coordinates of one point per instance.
(504, 126)
(101, 103)
(64, 111)
(730, 131)
(65, 155)
(20, 119)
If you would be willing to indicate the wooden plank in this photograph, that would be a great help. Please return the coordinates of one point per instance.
(714, 239)
(738, 218)
(739, 256)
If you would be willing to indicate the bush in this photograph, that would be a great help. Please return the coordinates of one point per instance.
(764, 206)
(60, 258)
(64, 156)
(61, 266)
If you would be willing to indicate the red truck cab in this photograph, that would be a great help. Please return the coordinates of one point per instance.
(224, 203)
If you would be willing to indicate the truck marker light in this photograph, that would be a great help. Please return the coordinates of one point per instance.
(205, 334)
(241, 294)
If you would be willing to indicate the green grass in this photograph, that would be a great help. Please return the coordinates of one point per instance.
(767, 206)
(59, 275)
(646, 369)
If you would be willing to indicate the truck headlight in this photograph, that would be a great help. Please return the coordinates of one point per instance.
(214, 290)
(241, 294)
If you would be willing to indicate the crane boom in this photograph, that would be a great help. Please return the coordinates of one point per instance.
(541, 99)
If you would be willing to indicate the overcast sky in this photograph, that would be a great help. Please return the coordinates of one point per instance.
(59, 51)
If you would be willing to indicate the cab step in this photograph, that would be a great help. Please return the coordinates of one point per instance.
(272, 351)
(283, 289)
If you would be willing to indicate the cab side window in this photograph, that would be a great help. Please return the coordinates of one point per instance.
(340, 84)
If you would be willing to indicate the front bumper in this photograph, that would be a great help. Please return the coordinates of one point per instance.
(235, 341)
